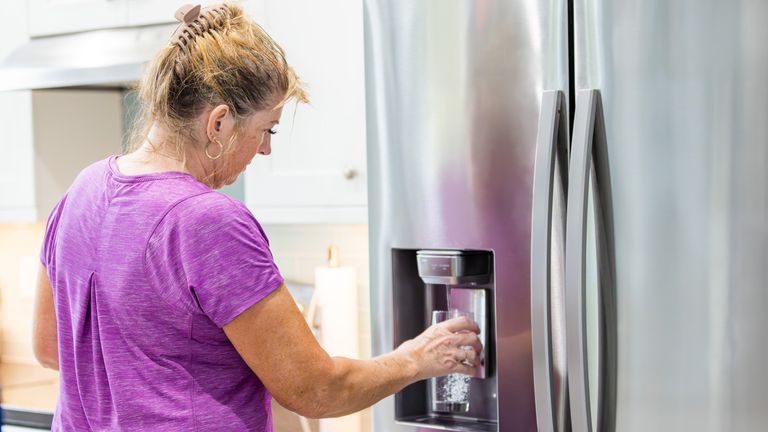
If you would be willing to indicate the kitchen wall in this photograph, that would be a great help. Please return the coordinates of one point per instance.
(65, 137)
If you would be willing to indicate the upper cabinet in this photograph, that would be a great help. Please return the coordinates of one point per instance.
(47, 17)
(17, 190)
(143, 12)
(317, 170)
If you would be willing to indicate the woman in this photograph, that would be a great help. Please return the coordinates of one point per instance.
(159, 300)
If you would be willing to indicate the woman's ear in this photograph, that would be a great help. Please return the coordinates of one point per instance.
(220, 122)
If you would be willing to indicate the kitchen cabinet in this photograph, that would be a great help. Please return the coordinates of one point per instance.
(17, 198)
(47, 17)
(143, 12)
(16, 160)
(317, 170)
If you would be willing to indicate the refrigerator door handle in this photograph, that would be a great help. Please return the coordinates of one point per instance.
(589, 151)
(551, 120)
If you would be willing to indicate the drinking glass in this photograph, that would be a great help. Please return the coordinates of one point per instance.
(450, 393)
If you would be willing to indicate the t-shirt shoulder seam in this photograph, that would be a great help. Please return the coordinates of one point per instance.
(244, 212)
(160, 220)
(237, 205)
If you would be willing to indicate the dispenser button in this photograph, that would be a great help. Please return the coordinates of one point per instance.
(436, 266)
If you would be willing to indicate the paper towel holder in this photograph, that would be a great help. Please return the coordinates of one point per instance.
(333, 256)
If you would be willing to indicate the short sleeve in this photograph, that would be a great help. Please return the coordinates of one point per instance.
(51, 226)
(210, 254)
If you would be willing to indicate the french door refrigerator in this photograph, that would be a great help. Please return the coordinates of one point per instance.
(611, 157)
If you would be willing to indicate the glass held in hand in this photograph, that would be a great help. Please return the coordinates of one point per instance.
(450, 393)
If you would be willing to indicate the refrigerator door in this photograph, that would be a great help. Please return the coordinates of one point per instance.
(685, 102)
(453, 94)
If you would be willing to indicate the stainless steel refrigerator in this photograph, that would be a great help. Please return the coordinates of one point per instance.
(611, 158)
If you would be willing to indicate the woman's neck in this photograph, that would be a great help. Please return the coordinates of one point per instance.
(159, 153)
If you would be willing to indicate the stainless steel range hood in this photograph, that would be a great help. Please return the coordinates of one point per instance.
(100, 58)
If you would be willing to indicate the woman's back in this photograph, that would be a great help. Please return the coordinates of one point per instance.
(141, 296)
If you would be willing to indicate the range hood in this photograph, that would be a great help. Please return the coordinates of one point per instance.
(99, 58)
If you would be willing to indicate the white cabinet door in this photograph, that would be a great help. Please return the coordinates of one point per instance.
(142, 12)
(48, 17)
(17, 177)
(17, 187)
(317, 172)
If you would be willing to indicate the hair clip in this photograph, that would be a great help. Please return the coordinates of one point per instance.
(194, 21)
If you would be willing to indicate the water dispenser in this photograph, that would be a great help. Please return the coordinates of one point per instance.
(427, 280)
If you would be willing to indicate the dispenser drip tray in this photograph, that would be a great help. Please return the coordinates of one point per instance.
(451, 423)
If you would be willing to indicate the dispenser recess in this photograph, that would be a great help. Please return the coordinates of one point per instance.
(425, 280)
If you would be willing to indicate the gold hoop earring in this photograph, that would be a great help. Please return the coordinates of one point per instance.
(221, 149)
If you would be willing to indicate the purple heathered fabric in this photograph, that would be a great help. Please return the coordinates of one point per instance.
(145, 271)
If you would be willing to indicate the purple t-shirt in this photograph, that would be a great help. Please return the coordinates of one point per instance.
(146, 270)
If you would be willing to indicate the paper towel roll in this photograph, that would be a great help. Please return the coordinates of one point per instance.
(339, 330)
(337, 299)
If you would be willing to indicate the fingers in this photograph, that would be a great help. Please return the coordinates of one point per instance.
(467, 361)
(466, 355)
(467, 339)
(460, 355)
(468, 368)
(459, 324)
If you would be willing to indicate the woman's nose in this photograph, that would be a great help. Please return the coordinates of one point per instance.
(265, 148)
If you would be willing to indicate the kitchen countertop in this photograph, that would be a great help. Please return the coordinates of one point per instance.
(29, 386)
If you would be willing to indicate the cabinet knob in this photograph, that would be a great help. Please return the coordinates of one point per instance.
(350, 173)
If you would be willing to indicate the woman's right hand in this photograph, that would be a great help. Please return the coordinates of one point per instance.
(451, 346)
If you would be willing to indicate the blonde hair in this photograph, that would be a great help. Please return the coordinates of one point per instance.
(232, 61)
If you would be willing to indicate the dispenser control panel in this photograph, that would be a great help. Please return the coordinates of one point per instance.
(436, 266)
(454, 266)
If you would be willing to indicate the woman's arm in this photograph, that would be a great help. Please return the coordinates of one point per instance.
(273, 338)
(45, 340)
